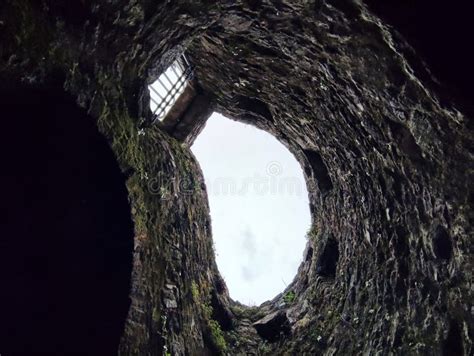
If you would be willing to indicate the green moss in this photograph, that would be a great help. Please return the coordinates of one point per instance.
(263, 349)
(312, 233)
(195, 292)
(289, 297)
(217, 336)
(246, 312)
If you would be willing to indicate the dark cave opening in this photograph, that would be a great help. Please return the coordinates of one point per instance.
(319, 171)
(326, 264)
(442, 244)
(66, 249)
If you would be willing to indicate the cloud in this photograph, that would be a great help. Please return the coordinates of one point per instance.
(249, 274)
(259, 238)
(248, 243)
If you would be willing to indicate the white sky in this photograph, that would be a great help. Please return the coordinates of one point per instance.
(259, 208)
(162, 86)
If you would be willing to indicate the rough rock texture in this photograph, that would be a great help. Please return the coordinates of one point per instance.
(388, 266)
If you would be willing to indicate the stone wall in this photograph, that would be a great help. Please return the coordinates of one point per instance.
(388, 266)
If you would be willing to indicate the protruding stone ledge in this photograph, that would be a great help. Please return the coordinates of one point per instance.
(273, 326)
(188, 116)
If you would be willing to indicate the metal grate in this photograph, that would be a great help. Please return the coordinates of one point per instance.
(169, 86)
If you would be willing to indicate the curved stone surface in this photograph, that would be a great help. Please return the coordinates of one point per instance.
(388, 167)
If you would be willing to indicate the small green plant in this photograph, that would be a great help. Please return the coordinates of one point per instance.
(216, 332)
(217, 336)
(195, 291)
(312, 233)
(289, 297)
(263, 349)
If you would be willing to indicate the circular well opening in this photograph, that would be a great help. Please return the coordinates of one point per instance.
(259, 207)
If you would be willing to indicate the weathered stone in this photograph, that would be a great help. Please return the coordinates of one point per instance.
(386, 151)
(171, 303)
(273, 326)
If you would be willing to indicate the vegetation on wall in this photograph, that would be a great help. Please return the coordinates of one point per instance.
(217, 335)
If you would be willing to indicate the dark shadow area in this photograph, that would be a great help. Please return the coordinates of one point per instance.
(274, 326)
(441, 34)
(67, 235)
(255, 106)
(319, 171)
(442, 245)
(406, 142)
(220, 312)
(74, 13)
(452, 346)
(326, 264)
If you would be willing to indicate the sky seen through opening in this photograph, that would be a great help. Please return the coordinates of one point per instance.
(259, 207)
